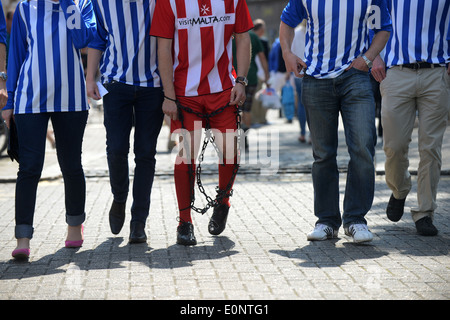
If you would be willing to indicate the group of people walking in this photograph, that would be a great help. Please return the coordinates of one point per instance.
(139, 47)
(174, 59)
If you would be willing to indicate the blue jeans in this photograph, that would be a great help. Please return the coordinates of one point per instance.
(126, 106)
(301, 115)
(351, 95)
(32, 131)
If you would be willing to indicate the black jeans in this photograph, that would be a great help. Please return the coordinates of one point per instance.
(126, 106)
(32, 131)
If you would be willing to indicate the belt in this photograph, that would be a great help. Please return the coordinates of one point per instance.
(420, 65)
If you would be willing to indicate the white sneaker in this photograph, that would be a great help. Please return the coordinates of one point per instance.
(322, 232)
(359, 232)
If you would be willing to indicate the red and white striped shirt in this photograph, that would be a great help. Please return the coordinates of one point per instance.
(202, 48)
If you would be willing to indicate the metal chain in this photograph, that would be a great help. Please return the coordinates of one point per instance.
(210, 202)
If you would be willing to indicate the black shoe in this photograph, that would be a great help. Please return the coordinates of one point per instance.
(185, 234)
(425, 227)
(116, 217)
(218, 219)
(395, 207)
(137, 232)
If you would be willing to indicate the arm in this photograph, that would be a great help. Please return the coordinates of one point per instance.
(243, 64)
(165, 66)
(378, 69)
(94, 56)
(18, 46)
(293, 63)
(265, 65)
(96, 48)
(81, 21)
(382, 29)
(379, 41)
(257, 49)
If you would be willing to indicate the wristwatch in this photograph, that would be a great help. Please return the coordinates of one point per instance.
(242, 80)
(368, 62)
(3, 76)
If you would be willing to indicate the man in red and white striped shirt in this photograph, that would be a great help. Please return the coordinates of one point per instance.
(195, 64)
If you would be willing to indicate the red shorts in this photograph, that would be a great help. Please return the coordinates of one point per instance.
(207, 104)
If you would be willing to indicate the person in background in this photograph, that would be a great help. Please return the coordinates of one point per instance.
(46, 82)
(288, 99)
(257, 50)
(277, 67)
(258, 112)
(416, 84)
(298, 48)
(377, 97)
(126, 56)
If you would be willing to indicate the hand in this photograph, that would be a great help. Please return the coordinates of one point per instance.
(7, 115)
(359, 64)
(170, 109)
(92, 90)
(237, 95)
(378, 69)
(3, 94)
(294, 64)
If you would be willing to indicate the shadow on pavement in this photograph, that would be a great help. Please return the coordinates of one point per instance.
(110, 255)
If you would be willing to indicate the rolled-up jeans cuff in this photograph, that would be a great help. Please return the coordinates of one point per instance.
(75, 220)
(23, 231)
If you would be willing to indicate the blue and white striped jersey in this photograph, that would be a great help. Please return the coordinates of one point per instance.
(420, 31)
(337, 31)
(45, 71)
(123, 34)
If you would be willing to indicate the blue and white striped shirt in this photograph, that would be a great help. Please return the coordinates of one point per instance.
(337, 31)
(45, 71)
(123, 34)
(420, 30)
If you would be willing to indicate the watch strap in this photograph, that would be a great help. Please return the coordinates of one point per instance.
(367, 60)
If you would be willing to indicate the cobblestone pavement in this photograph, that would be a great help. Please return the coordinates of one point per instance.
(262, 255)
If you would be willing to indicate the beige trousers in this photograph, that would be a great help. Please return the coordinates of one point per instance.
(405, 93)
(258, 111)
